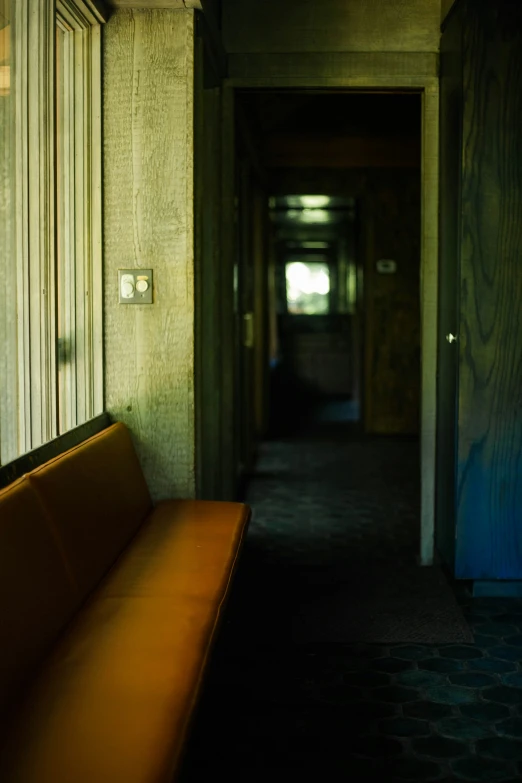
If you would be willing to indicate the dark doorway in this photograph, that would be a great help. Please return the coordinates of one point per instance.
(315, 373)
(342, 182)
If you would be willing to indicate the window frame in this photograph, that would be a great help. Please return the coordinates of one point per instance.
(29, 393)
(80, 363)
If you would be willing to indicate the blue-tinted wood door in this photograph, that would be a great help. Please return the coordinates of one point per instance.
(489, 431)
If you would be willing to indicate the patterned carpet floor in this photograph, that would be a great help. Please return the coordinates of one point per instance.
(274, 709)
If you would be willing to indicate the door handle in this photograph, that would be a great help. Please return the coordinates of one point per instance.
(451, 338)
(248, 330)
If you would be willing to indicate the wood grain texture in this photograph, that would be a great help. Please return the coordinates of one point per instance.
(489, 479)
(148, 220)
(331, 25)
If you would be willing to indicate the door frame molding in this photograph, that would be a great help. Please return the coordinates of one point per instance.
(396, 79)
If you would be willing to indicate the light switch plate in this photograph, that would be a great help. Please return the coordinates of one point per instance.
(386, 266)
(135, 286)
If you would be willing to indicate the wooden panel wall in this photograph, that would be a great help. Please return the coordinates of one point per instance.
(148, 222)
(489, 534)
(331, 25)
(392, 304)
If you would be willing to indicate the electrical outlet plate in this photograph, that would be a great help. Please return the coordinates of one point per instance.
(135, 286)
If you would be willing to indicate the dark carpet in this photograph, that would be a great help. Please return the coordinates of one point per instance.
(383, 605)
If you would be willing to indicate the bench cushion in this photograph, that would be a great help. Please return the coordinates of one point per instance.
(95, 498)
(115, 700)
(185, 549)
(37, 593)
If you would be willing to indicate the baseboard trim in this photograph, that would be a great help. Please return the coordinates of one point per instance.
(497, 589)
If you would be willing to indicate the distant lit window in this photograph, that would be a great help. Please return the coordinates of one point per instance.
(308, 288)
(315, 202)
(309, 215)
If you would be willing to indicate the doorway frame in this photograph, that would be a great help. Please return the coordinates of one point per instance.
(395, 73)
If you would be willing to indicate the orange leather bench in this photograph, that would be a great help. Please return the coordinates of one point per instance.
(108, 610)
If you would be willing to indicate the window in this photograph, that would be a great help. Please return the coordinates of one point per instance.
(78, 192)
(8, 271)
(308, 287)
(50, 253)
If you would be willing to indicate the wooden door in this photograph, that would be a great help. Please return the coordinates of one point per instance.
(489, 457)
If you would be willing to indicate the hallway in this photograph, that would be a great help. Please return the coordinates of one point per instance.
(327, 512)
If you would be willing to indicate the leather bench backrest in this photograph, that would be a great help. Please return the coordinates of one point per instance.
(95, 497)
(37, 593)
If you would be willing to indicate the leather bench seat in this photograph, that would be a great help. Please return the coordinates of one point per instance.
(37, 593)
(113, 700)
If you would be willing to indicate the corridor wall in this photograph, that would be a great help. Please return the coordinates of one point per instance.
(149, 223)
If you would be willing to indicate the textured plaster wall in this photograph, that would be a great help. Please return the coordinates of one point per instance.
(148, 223)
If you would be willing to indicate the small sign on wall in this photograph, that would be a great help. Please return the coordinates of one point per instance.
(386, 266)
